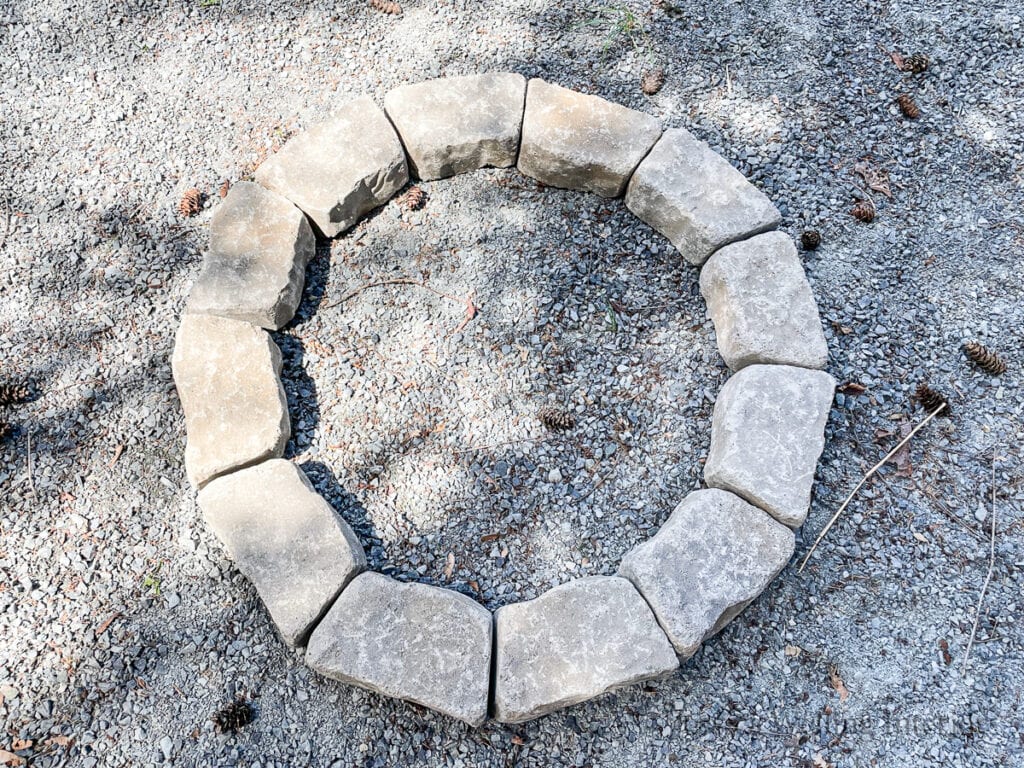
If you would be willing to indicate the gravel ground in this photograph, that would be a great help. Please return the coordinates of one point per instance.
(122, 625)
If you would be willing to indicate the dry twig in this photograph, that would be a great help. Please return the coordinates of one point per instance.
(863, 480)
(988, 576)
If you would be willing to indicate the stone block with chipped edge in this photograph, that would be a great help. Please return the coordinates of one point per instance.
(761, 304)
(341, 168)
(285, 539)
(576, 141)
(767, 432)
(691, 194)
(572, 643)
(452, 125)
(227, 374)
(710, 559)
(416, 642)
(255, 268)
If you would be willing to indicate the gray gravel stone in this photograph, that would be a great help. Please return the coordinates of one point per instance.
(255, 269)
(762, 306)
(412, 641)
(572, 643)
(577, 141)
(456, 124)
(236, 414)
(341, 168)
(767, 433)
(285, 539)
(696, 199)
(710, 559)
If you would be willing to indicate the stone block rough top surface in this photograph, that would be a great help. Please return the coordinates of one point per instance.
(762, 305)
(691, 194)
(255, 268)
(767, 432)
(572, 643)
(416, 642)
(227, 375)
(457, 124)
(341, 168)
(575, 141)
(712, 556)
(285, 539)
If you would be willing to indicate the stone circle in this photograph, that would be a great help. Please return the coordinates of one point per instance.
(716, 552)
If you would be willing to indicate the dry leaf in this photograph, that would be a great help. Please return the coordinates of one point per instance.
(821, 762)
(852, 388)
(793, 651)
(490, 537)
(920, 537)
(902, 457)
(947, 658)
(898, 60)
(19, 744)
(60, 741)
(518, 741)
(449, 567)
(877, 180)
(837, 683)
(9, 758)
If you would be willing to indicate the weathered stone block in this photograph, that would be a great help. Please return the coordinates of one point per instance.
(696, 199)
(762, 306)
(416, 642)
(285, 539)
(235, 409)
(713, 556)
(573, 643)
(341, 168)
(767, 433)
(576, 141)
(456, 124)
(254, 271)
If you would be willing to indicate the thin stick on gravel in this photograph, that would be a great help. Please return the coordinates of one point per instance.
(988, 576)
(392, 281)
(863, 480)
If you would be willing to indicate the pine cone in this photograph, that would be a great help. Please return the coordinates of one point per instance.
(556, 418)
(387, 6)
(864, 210)
(908, 107)
(5, 431)
(225, 188)
(652, 81)
(984, 358)
(191, 203)
(931, 400)
(810, 239)
(413, 199)
(12, 394)
(234, 716)
(916, 63)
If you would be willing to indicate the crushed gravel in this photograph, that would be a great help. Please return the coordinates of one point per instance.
(123, 627)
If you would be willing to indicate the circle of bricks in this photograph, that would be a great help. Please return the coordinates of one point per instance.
(718, 549)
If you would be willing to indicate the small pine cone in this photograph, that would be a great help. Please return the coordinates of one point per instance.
(556, 418)
(191, 203)
(387, 6)
(224, 188)
(233, 717)
(916, 63)
(810, 239)
(931, 400)
(414, 199)
(907, 106)
(864, 210)
(12, 394)
(984, 358)
(5, 431)
(652, 81)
